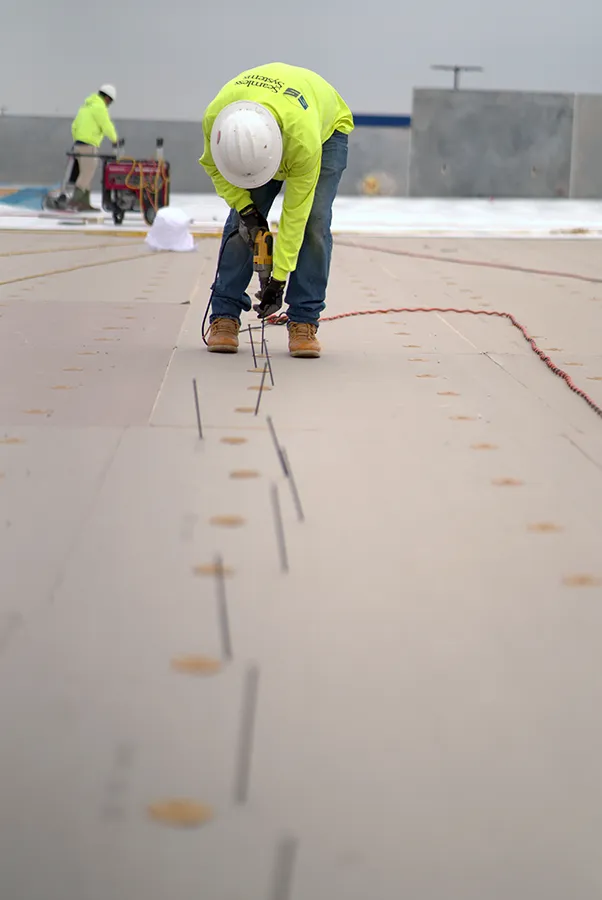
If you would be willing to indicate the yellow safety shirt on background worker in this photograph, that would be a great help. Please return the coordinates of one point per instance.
(308, 111)
(93, 122)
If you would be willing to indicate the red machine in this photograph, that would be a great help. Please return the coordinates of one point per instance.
(135, 185)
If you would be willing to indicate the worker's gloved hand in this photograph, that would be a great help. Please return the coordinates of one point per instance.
(250, 222)
(270, 298)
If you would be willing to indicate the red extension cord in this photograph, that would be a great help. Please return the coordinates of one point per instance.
(282, 319)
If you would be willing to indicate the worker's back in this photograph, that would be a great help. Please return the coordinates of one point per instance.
(299, 99)
(92, 122)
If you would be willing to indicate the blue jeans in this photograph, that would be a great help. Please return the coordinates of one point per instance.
(306, 291)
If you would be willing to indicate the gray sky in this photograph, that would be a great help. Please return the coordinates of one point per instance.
(168, 59)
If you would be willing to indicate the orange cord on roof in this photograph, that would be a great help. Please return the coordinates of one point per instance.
(479, 263)
(282, 319)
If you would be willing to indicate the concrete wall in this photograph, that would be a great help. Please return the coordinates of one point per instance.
(32, 151)
(462, 144)
(586, 168)
(378, 162)
(490, 143)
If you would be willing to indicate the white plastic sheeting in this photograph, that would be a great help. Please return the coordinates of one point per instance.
(380, 216)
(170, 231)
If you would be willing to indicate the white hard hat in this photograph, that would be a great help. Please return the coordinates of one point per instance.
(246, 144)
(109, 90)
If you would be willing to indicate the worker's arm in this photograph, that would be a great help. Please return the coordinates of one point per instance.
(296, 207)
(298, 199)
(236, 198)
(103, 120)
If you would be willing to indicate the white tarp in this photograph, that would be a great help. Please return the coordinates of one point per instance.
(170, 231)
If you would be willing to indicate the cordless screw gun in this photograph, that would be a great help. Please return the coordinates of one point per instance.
(263, 256)
(263, 252)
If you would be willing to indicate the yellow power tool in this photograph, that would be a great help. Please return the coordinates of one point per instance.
(263, 263)
(263, 253)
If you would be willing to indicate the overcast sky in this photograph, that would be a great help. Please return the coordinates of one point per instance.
(168, 59)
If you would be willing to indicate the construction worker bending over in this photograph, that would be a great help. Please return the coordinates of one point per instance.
(91, 124)
(272, 124)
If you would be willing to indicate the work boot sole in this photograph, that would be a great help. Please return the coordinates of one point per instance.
(305, 354)
(222, 348)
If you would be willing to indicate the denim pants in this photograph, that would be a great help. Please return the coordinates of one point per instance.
(306, 291)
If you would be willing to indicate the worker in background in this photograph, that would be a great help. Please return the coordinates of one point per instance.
(271, 124)
(90, 126)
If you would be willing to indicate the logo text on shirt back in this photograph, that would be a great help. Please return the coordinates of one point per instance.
(291, 92)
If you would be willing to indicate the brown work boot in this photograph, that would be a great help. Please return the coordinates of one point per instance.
(302, 340)
(88, 205)
(223, 336)
(78, 201)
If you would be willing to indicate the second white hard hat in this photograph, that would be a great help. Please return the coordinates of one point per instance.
(109, 90)
(246, 144)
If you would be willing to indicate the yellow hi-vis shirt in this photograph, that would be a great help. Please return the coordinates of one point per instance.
(308, 111)
(93, 122)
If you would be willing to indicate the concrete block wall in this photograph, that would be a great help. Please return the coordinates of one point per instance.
(33, 148)
(32, 151)
(505, 144)
(586, 158)
(461, 144)
(379, 156)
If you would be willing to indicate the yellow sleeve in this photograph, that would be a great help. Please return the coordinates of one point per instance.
(103, 120)
(296, 207)
(236, 198)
